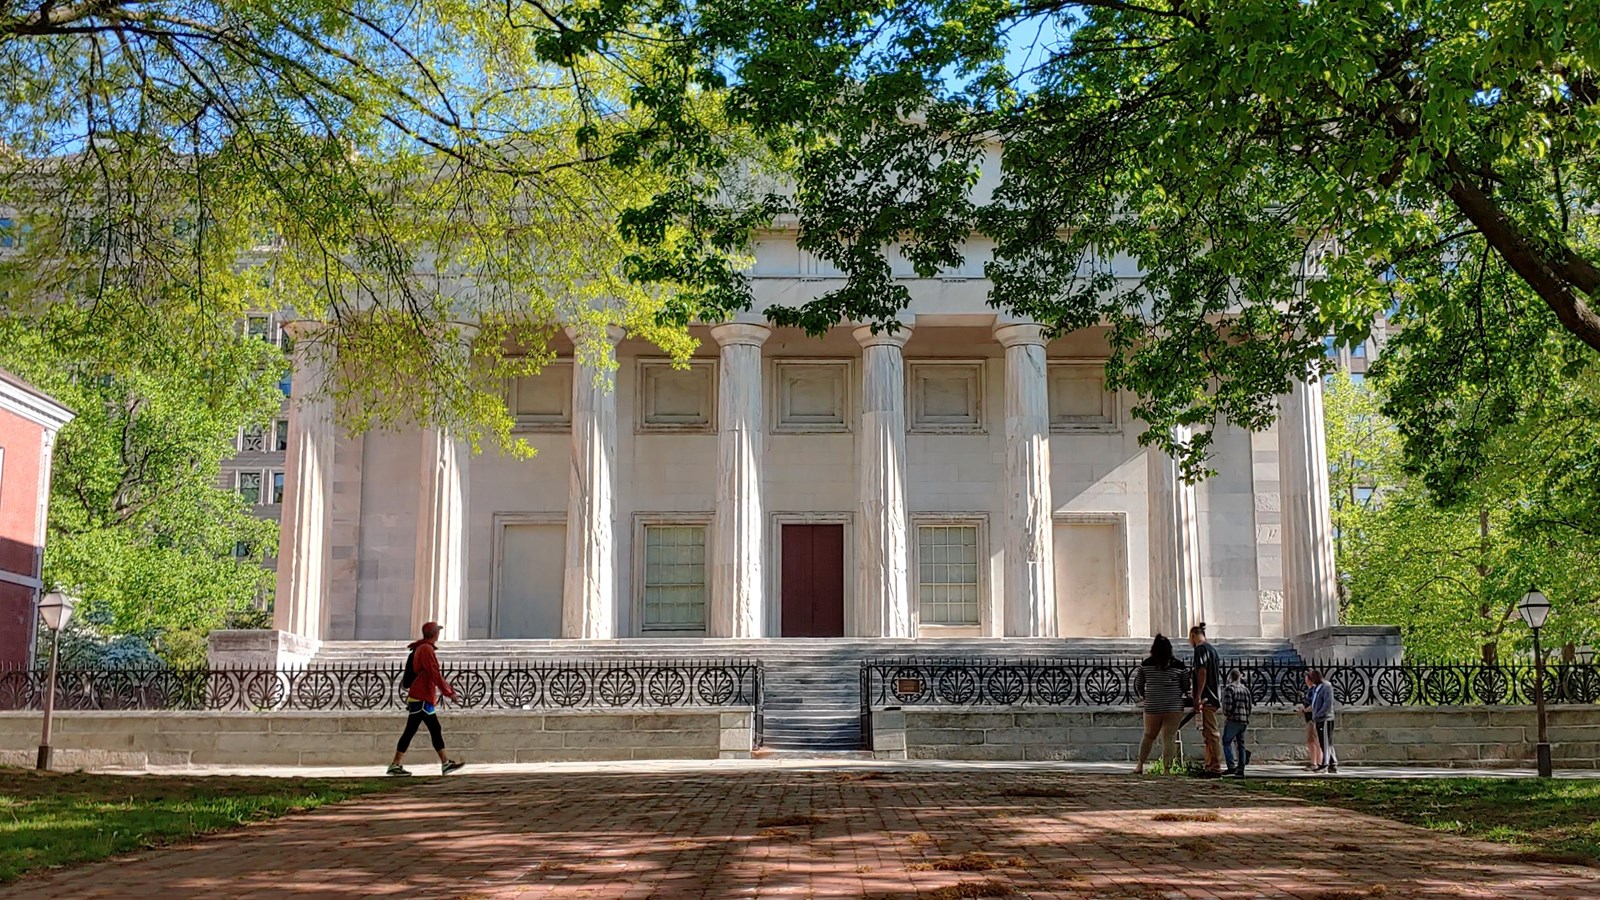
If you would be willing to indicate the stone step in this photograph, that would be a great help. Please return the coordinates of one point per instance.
(779, 649)
(780, 751)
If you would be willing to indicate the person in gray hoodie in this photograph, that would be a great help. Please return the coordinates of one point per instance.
(1322, 714)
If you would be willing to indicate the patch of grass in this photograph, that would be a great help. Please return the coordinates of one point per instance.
(1179, 767)
(1552, 821)
(790, 821)
(919, 837)
(52, 819)
(1200, 815)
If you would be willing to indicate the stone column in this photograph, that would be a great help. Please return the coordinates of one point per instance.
(737, 599)
(1030, 589)
(439, 592)
(883, 588)
(305, 525)
(589, 599)
(1176, 598)
(1310, 581)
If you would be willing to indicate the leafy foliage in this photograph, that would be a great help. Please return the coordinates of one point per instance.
(390, 169)
(1459, 527)
(1222, 183)
(139, 525)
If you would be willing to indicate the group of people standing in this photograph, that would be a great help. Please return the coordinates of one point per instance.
(1167, 690)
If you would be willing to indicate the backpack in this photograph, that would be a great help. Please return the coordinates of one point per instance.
(410, 674)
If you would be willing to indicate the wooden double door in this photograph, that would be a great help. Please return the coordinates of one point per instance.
(811, 583)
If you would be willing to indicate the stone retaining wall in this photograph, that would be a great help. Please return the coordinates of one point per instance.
(136, 739)
(1366, 644)
(1464, 737)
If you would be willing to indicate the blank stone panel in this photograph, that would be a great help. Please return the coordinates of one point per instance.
(946, 396)
(543, 400)
(1091, 577)
(810, 396)
(677, 399)
(1079, 400)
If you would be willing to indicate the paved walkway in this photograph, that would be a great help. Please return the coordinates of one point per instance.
(829, 761)
(822, 831)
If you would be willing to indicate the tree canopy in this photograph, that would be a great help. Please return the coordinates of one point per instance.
(1445, 543)
(390, 168)
(140, 527)
(1270, 167)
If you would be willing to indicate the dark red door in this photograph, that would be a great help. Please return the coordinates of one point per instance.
(812, 588)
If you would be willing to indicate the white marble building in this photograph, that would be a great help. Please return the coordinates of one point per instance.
(960, 477)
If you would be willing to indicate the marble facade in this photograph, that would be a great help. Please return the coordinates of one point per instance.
(965, 474)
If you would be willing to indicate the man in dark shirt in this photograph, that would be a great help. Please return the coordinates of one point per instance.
(1207, 698)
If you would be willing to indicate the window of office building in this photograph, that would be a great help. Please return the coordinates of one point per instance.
(248, 484)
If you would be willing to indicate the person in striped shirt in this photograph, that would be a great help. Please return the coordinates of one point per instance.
(1160, 686)
(1236, 706)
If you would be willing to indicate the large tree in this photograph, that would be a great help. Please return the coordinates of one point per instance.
(391, 168)
(1498, 409)
(139, 526)
(1268, 167)
(388, 168)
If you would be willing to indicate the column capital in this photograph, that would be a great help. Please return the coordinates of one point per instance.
(299, 329)
(613, 333)
(733, 333)
(884, 338)
(1019, 334)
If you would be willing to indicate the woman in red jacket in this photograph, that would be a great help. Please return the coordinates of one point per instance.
(424, 682)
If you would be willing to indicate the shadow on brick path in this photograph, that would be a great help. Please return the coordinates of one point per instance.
(822, 833)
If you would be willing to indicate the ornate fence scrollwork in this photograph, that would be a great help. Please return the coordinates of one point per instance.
(536, 685)
(1104, 682)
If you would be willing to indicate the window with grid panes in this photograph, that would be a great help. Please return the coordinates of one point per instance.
(675, 578)
(252, 439)
(947, 579)
(250, 487)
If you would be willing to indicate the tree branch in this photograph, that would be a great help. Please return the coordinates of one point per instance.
(1553, 275)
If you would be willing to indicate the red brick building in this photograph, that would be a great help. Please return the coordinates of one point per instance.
(29, 420)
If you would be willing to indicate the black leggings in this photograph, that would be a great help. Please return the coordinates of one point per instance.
(415, 716)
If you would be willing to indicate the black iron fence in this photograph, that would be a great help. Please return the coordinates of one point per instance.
(1100, 682)
(542, 685)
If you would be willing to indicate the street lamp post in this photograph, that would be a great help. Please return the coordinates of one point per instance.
(55, 609)
(1535, 608)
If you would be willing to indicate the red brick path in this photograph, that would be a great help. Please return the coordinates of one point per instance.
(829, 833)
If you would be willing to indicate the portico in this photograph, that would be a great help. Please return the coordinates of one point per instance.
(960, 475)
